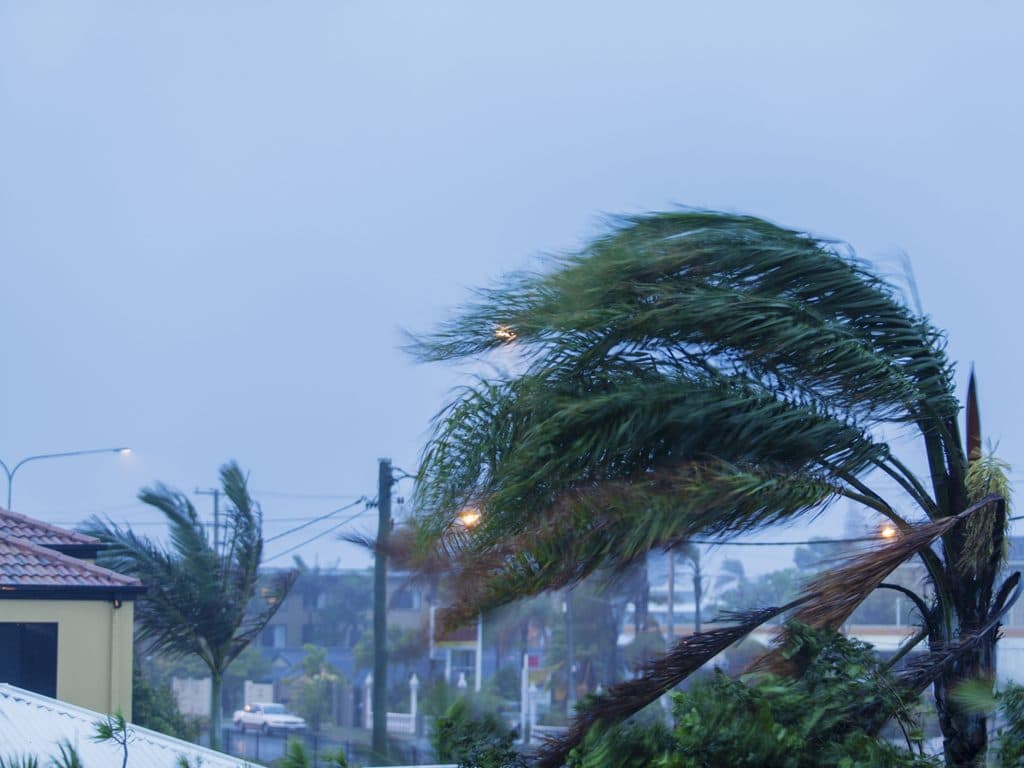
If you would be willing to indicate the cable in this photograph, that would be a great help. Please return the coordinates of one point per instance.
(313, 538)
(295, 495)
(315, 520)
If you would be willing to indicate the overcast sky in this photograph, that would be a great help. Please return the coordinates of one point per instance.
(217, 218)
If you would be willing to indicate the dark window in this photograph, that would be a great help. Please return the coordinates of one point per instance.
(308, 633)
(29, 658)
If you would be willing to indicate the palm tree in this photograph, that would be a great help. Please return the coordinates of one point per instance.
(199, 600)
(706, 374)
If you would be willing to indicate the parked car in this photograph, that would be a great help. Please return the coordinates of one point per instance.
(267, 717)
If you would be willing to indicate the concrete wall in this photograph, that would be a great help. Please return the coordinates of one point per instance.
(94, 649)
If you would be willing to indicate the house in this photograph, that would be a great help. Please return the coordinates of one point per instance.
(33, 724)
(66, 624)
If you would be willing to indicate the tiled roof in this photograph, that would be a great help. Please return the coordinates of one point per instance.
(27, 565)
(18, 526)
(33, 724)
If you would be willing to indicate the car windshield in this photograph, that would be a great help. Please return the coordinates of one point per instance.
(273, 709)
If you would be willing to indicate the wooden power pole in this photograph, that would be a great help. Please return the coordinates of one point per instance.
(380, 614)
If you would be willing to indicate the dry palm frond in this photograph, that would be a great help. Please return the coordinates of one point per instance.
(658, 677)
(834, 595)
(920, 673)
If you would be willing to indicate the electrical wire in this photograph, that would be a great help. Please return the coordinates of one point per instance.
(332, 513)
(313, 538)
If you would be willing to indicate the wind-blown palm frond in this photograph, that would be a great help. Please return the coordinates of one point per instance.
(658, 677)
(924, 670)
(695, 373)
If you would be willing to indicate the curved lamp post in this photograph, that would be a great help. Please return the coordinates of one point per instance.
(27, 459)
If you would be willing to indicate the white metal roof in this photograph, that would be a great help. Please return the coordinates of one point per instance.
(33, 724)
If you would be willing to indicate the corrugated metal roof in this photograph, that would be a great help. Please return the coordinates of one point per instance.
(21, 527)
(24, 564)
(34, 724)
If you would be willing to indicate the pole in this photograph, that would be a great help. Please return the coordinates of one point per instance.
(62, 454)
(385, 479)
(570, 653)
(478, 672)
(671, 617)
(215, 492)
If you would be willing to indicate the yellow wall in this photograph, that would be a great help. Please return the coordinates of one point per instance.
(94, 649)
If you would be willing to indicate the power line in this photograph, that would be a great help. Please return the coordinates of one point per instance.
(314, 520)
(313, 538)
(296, 495)
(150, 523)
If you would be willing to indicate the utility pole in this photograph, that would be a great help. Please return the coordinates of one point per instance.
(385, 479)
(570, 653)
(215, 492)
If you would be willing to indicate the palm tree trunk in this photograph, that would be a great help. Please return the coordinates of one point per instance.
(216, 709)
(965, 732)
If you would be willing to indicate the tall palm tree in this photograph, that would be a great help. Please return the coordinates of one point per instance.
(199, 600)
(706, 374)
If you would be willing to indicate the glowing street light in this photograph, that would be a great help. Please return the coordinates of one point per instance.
(27, 459)
(888, 531)
(470, 517)
(505, 333)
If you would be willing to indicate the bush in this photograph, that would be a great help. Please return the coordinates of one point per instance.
(474, 738)
(825, 715)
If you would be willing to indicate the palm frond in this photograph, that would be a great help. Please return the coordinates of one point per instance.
(835, 594)
(658, 677)
(922, 672)
(608, 525)
(779, 305)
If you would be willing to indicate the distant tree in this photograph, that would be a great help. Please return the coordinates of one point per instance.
(405, 646)
(154, 707)
(315, 687)
(199, 600)
(339, 605)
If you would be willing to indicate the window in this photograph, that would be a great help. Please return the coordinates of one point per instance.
(274, 636)
(29, 658)
(405, 600)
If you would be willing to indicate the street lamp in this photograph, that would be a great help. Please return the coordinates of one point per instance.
(27, 459)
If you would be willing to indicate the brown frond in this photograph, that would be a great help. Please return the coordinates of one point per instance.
(834, 595)
(658, 677)
(920, 673)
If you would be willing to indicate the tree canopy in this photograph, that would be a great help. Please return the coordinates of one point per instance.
(705, 374)
(199, 600)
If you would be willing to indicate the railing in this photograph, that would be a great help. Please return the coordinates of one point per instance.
(401, 722)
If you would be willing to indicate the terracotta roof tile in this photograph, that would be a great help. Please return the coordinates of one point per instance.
(19, 526)
(24, 564)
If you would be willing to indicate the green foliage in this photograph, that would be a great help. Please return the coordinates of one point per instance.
(474, 738)
(19, 761)
(405, 646)
(316, 685)
(1010, 738)
(295, 755)
(114, 728)
(816, 718)
(343, 604)
(637, 743)
(68, 757)
(702, 374)
(154, 707)
(773, 588)
(334, 759)
(978, 696)
(198, 601)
